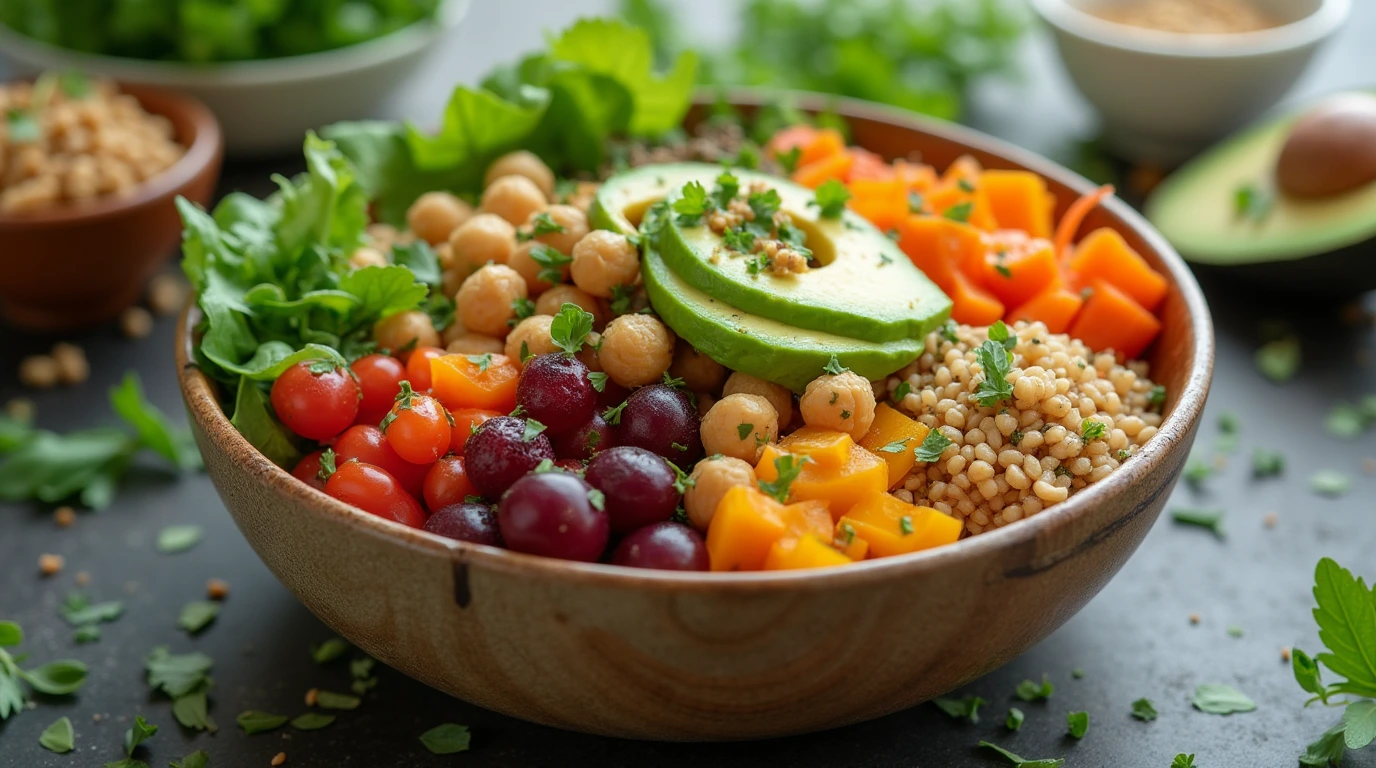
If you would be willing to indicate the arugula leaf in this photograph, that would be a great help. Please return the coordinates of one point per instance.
(570, 328)
(1346, 615)
(1219, 699)
(966, 708)
(831, 198)
(1022, 762)
(446, 739)
(58, 737)
(788, 467)
(1144, 710)
(258, 426)
(933, 446)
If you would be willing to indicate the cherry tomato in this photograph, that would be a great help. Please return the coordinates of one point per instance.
(418, 367)
(374, 491)
(307, 470)
(314, 400)
(367, 444)
(418, 427)
(465, 421)
(447, 483)
(379, 379)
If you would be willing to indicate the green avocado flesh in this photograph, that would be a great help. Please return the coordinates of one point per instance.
(1196, 208)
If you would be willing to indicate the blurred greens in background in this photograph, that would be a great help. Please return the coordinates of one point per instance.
(918, 54)
(209, 30)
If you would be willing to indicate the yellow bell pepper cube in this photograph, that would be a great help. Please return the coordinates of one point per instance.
(894, 528)
(808, 518)
(827, 447)
(894, 438)
(806, 552)
(743, 528)
(846, 540)
(842, 487)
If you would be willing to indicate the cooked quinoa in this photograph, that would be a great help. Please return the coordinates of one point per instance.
(1020, 456)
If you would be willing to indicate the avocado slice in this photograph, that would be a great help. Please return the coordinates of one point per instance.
(865, 288)
(1324, 245)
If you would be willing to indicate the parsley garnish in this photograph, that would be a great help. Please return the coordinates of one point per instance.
(613, 415)
(830, 198)
(1218, 699)
(933, 446)
(896, 446)
(1014, 719)
(682, 481)
(446, 739)
(1267, 463)
(757, 265)
(1197, 471)
(599, 380)
(1329, 482)
(1183, 760)
(765, 204)
(966, 708)
(329, 650)
(674, 382)
(845, 414)
(1022, 762)
(1004, 271)
(525, 353)
(788, 161)
(834, 367)
(532, 430)
(1279, 360)
(1091, 430)
(1251, 201)
(744, 430)
(1016, 437)
(621, 300)
(570, 328)
(1077, 724)
(692, 205)
(56, 678)
(597, 499)
(551, 263)
(959, 212)
(728, 186)
(739, 239)
(916, 202)
(788, 468)
(948, 331)
(1144, 710)
(901, 391)
(1028, 690)
(905, 524)
(993, 359)
(482, 361)
(544, 224)
(1000, 333)
(523, 308)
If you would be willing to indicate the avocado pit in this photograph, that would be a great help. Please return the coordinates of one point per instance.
(1331, 149)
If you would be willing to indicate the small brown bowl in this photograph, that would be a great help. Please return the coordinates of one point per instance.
(79, 265)
(715, 656)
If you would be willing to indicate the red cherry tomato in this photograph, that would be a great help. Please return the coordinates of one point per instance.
(367, 444)
(374, 491)
(465, 421)
(447, 483)
(314, 400)
(418, 367)
(379, 379)
(418, 427)
(308, 470)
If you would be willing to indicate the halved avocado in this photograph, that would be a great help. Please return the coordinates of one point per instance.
(1322, 245)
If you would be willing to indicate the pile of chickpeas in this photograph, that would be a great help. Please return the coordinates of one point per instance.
(100, 144)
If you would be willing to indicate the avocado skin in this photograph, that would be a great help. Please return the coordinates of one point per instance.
(1344, 273)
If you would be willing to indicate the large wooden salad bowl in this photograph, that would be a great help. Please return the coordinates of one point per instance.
(662, 655)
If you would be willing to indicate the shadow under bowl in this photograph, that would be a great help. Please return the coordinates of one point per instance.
(718, 656)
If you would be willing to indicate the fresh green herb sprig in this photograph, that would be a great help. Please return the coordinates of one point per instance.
(788, 467)
(965, 708)
(56, 678)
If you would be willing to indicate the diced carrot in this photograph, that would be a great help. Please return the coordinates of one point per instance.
(971, 304)
(799, 136)
(806, 552)
(458, 382)
(1105, 255)
(894, 438)
(1056, 306)
(744, 526)
(965, 168)
(944, 197)
(1018, 200)
(918, 177)
(936, 245)
(884, 203)
(1015, 276)
(869, 165)
(1110, 319)
(813, 174)
(826, 143)
(1075, 216)
(828, 448)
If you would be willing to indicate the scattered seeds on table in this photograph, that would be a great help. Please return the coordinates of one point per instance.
(166, 293)
(64, 516)
(49, 564)
(1285, 653)
(1194, 618)
(72, 365)
(279, 759)
(82, 578)
(135, 323)
(217, 589)
(1270, 520)
(38, 372)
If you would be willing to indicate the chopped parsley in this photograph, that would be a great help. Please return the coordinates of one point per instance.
(933, 446)
(896, 446)
(959, 212)
(599, 380)
(901, 391)
(966, 708)
(1091, 429)
(1279, 360)
(532, 430)
(993, 358)
(621, 300)
(1021, 762)
(830, 198)
(757, 265)
(905, 524)
(1329, 482)
(1252, 201)
(1014, 719)
(1267, 463)
(1077, 724)
(845, 414)
(1003, 271)
(765, 204)
(1157, 397)
(693, 205)
(613, 415)
(1219, 699)
(788, 467)
(482, 361)
(674, 382)
(597, 499)
(1204, 518)
(965, 185)
(1028, 690)
(788, 161)
(745, 430)
(522, 308)
(739, 239)
(551, 263)
(1144, 710)
(728, 186)
(834, 367)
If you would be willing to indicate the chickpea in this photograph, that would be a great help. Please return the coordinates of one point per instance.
(381, 236)
(367, 257)
(487, 299)
(475, 344)
(514, 198)
(712, 478)
(436, 214)
(453, 331)
(522, 163)
(531, 333)
(550, 301)
(405, 329)
(636, 350)
(740, 426)
(779, 397)
(166, 294)
(588, 354)
(574, 222)
(700, 372)
(584, 192)
(72, 366)
(135, 323)
(524, 263)
(38, 372)
(482, 239)
(844, 402)
(604, 260)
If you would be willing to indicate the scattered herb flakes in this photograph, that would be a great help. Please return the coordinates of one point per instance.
(1156, 398)
(1092, 429)
(599, 380)
(1077, 724)
(1022, 762)
(744, 430)
(1252, 201)
(1077, 673)
(994, 361)
(897, 446)
(1028, 690)
(1267, 463)
(1205, 518)
(139, 732)
(1279, 360)
(1143, 709)
(1329, 482)
(329, 650)
(959, 212)
(901, 391)
(1219, 699)
(1228, 423)
(788, 161)
(446, 739)
(482, 361)
(1183, 760)
(198, 759)
(79, 611)
(834, 366)
(193, 710)
(933, 446)
(532, 430)
(332, 700)
(178, 538)
(966, 708)
(787, 467)
(196, 616)
(87, 634)
(311, 721)
(177, 674)
(1235, 631)
(58, 737)
(1196, 471)
(1014, 719)
(830, 198)
(1345, 421)
(253, 721)
(598, 500)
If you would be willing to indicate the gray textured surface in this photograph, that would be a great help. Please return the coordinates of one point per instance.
(1134, 640)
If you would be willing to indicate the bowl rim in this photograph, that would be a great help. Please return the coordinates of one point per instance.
(1303, 32)
(206, 148)
(253, 72)
(1174, 431)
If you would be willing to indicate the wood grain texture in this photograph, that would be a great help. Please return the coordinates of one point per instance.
(656, 655)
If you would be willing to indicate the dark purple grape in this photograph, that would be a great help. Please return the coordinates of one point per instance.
(570, 465)
(555, 391)
(593, 436)
(466, 521)
(667, 546)
(553, 514)
(612, 395)
(662, 420)
(499, 454)
(639, 486)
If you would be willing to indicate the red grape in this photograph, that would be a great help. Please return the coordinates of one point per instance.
(466, 521)
(501, 452)
(593, 436)
(553, 514)
(667, 546)
(555, 391)
(638, 484)
(662, 420)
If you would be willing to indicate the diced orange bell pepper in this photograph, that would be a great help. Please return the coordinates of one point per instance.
(1021, 272)
(917, 177)
(965, 168)
(1104, 255)
(883, 203)
(1019, 200)
(863, 474)
(894, 438)
(971, 304)
(806, 552)
(848, 543)
(743, 528)
(893, 527)
(812, 175)
(1056, 306)
(458, 382)
(1110, 319)
(829, 448)
(868, 165)
(805, 518)
(827, 142)
(943, 198)
(938, 245)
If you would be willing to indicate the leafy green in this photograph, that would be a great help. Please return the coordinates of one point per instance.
(139, 732)
(831, 198)
(788, 467)
(330, 650)
(177, 674)
(58, 737)
(1022, 762)
(254, 721)
(1028, 690)
(79, 611)
(1267, 463)
(197, 615)
(1219, 699)
(332, 700)
(1346, 615)
(1183, 760)
(198, 759)
(311, 721)
(1013, 721)
(1144, 710)
(1205, 518)
(1327, 750)
(1329, 482)
(446, 739)
(933, 445)
(178, 538)
(966, 708)
(1346, 421)
(255, 421)
(155, 431)
(1252, 201)
(570, 328)
(1279, 360)
(1359, 724)
(1093, 429)
(996, 362)
(1077, 724)
(959, 211)
(56, 678)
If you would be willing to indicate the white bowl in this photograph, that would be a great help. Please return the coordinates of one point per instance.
(1165, 95)
(264, 106)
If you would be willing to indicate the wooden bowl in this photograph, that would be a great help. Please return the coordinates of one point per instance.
(713, 656)
(79, 265)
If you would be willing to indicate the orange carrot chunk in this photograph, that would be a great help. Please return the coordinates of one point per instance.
(1014, 276)
(812, 175)
(971, 304)
(826, 143)
(1105, 255)
(1110, 319)
(1056, 307)
(793, 136)
(1075, 216)
(937, 245)
(1018, 200)
(868, 165)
